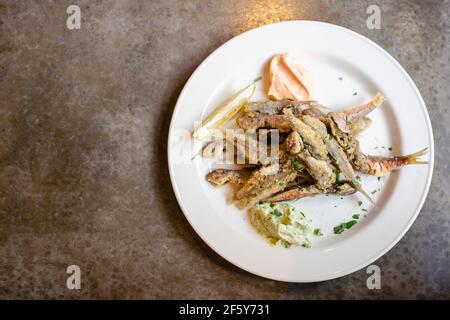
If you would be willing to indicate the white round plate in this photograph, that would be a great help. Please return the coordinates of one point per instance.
(348, 70)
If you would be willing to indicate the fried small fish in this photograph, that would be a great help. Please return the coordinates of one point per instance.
(344, 118)
(265, 182)
(220, 177)
(311, 191)
(310, 137)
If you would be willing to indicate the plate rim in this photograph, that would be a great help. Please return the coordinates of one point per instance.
(424, 195)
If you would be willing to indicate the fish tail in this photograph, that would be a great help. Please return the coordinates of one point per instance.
(378, 99)
(351, 115)
(358, 187)
(413, 157)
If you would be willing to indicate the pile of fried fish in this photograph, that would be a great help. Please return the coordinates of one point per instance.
(318, 152)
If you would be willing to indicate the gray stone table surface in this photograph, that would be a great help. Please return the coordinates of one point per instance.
(83, 167)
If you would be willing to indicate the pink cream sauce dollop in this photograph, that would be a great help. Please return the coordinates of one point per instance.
(289, 80)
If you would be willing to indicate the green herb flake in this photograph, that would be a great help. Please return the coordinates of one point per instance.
(257, 79)
(302, 214)
(345, 225)
(298, 165)
(355, 93)
(360, 203)
(340, 78)
(378, 178)
(318, 232)
(281, 184)
(390, 148)
(355, 216)
(272, 205)
(358, 178)
(277, 213)
(374, 191)
(365, 210)
(350, 224)
(338, 229)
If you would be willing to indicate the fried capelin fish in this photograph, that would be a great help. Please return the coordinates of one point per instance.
(317, 148)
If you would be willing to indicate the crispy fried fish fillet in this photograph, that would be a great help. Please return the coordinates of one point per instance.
(344, 118)
(320, 170)
(219, 177)
(310, 137)
(269, 114)
(252, 121)
(293, 143)
(265, 182)
(274, 107)
(311, 191)
(373, 165)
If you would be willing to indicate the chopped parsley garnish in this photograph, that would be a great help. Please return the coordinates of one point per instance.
(302, 214)
(350, 224)
(358, 178)
(277, 213)
(359, 203)
(379, 178)
(298, 165)
(281, 184)
(340, 78)
(345, 225)
(365, 210)
(355, 93)
(272, 205)
(390, 148)
(318, 232)
(338, 229)
(374, 191)
(355, 216)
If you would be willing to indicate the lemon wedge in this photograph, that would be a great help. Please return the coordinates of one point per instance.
(225, 111)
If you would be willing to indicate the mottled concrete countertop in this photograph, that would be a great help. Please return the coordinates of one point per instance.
(84, 121)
